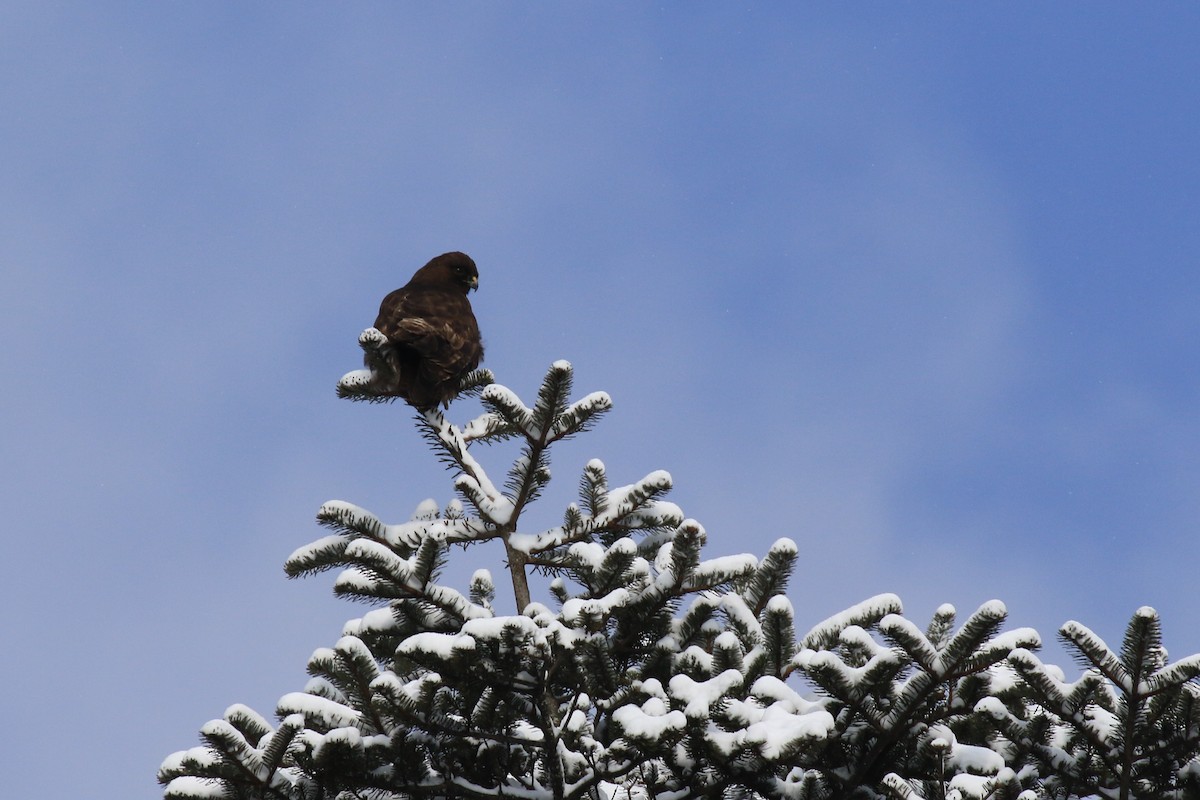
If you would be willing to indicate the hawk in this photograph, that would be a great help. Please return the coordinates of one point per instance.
(432, 331)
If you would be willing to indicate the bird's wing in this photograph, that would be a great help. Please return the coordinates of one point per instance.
(437, 326)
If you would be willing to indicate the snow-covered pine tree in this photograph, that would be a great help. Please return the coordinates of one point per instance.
(651, 672)
(1128, 728)
(656, 670)
(904, 702)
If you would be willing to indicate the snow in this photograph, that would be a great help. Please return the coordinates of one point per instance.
(632, 506)
(379, 620)
(426, 509)
(910, 637)
(964, 758)
(579, 411)
(699, 696)
(352, 647)
(725, 568)
(727, 640)
(779, 730)
(330, 714)
(1003, 678)
(974, 759)
(695, 657)
(322, 687)
(965, 785)
(850, 676)
(780, 604)
(414, 690)
(784, 546)
(481, 426)
(626, 500)
(340, 511)
(773, 730)
(854, 636)
(827, 631)
(1103, 723)
(649, 721)
(591, 555)
(243, 716)
(576, 722)
(576, 611)
(188, 786)
(355, 581)
(309, 551)
(375, 553)
(529, 542)
(473, 480)
(527, 731)
(455, 601)
(410, 534)
(503, 396)
(1019, 638)
(742, 617)
(496, 507)
(496, 628)
(592, 400)
(201, 756)
(349, 737)
(652, 687)
(441, 645)
(1181, 670)
(771, 688)
(356, 379)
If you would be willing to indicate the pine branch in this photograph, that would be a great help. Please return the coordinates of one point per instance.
(1091, 651)
(864, 614)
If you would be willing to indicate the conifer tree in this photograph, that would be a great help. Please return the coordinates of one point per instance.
(904, 702)
(655, 670)
(1128, 728)
(650, 671)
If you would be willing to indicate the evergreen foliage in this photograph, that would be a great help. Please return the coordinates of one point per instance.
(651, 671)
(1128, 728)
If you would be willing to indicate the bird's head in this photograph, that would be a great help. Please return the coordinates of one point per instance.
(457, 269)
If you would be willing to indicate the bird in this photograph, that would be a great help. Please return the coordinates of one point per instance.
(432, 332)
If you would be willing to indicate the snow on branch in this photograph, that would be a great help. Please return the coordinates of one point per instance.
(370, 384)
(635, 507)
(1181, 671)
(318, 712)
(488, 427)
(492, 505)
(438, 646)
(449, 440)
(580, 415)
(507, 406)
(722, 571)
(909, 637)
(698, 697)
(649, 723)
(659, 671)
(864, 614)
(1093, 649)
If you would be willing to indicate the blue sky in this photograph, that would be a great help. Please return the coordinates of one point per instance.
(915, 285)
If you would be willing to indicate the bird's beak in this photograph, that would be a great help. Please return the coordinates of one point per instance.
(474, 284)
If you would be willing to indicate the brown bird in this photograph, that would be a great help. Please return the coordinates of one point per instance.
(432, 331)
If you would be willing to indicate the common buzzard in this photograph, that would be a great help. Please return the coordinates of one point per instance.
(432, 331)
